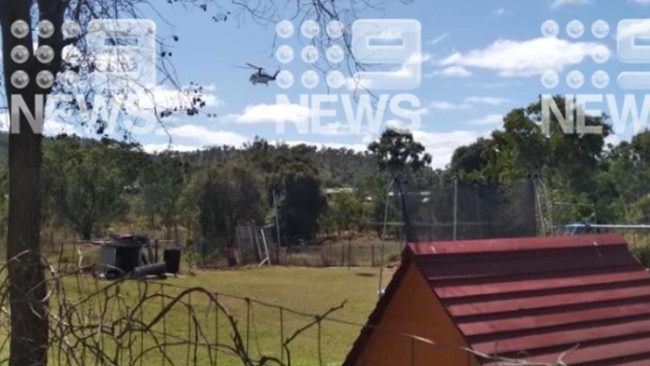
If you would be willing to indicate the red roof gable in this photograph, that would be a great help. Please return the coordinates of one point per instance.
(535, 298)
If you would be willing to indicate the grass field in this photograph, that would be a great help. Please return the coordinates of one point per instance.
(262, 327)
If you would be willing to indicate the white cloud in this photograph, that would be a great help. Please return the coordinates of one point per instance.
(522, 58)
(441, 145)
(53, 128)
(635, 28)
(490, 119)
(50, 127)
(493, 85)
(613, 139)
(445, 105)
(137, 110)
(486, 100)
(502, 11)
(641, 2)
(452, 71)
(156, 148)
(287, 113)
(205, 136)
(438, 39)
(466, 103)
(560, 3)
(272, 113)
(392, 77)
(163, 97)
(334, 145)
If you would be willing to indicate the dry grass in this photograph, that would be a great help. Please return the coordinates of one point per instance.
(82, 301)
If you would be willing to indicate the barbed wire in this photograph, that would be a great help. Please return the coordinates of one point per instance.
(130, 322)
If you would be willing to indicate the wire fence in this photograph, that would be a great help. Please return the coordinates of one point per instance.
(331, 254)
(140, 322)
(342, 254)
(463, 211)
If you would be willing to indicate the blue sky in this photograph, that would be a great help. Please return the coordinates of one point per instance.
(479, 60)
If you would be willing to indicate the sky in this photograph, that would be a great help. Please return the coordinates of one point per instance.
(478, 60)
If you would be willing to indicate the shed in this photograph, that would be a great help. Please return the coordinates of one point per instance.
(525, 298)
(122, 255)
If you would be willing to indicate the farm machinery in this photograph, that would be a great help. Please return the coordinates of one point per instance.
(133, 256)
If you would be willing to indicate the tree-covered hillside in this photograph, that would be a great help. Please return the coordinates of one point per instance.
(91, 185)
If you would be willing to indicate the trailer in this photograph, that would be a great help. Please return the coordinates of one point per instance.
(134, 256)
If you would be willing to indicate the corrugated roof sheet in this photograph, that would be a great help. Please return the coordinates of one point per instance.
(534, 298)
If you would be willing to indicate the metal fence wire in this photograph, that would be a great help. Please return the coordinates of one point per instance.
(464, 211)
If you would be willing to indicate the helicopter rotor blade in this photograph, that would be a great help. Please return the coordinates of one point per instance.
(254, 67)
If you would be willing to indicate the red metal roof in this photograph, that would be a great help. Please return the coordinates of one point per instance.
(534, 298)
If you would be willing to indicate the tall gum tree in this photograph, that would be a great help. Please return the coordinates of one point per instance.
(19, 20)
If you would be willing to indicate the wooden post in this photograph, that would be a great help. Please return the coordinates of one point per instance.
(349, 251)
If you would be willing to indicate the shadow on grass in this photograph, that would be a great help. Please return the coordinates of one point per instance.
(365, 274)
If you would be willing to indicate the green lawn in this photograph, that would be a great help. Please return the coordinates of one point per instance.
(309, 290)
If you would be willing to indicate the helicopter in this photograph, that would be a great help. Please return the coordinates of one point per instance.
(260, 77)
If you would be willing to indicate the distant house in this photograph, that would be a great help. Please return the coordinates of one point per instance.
(332, 191)
(525, 298)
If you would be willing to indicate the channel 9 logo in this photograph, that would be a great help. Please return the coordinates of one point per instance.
(374, 42)
(125, 49)
(122, 58)
(632, 48)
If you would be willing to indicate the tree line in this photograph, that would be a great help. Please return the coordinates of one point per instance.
(91, 185)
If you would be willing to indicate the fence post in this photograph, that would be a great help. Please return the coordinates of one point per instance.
(349, 252)
(331, 255)
(455, 207)
(372, 255)
(342, 255)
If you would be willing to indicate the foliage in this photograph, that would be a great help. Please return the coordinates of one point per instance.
(86, 186)
(90, 185)
(160, 184)
(397, 151)
(345, 210)
(228, 196)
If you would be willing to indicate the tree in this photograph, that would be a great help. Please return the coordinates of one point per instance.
(28, 81)
(570, 164)
(301, 204)
(85, 184)
(228, 197)
(161, 183)
(573, 159)
(346, 210)
(17, 17)
(291, 178)
(625, 174)
(398, 153)
(472, 162)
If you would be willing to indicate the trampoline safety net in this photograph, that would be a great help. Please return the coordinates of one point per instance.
(465, 211)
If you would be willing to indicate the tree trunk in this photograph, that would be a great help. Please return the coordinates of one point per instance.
(152, 220)
(87, 233)
(27, 291)
(26, 275)
(29, 322)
